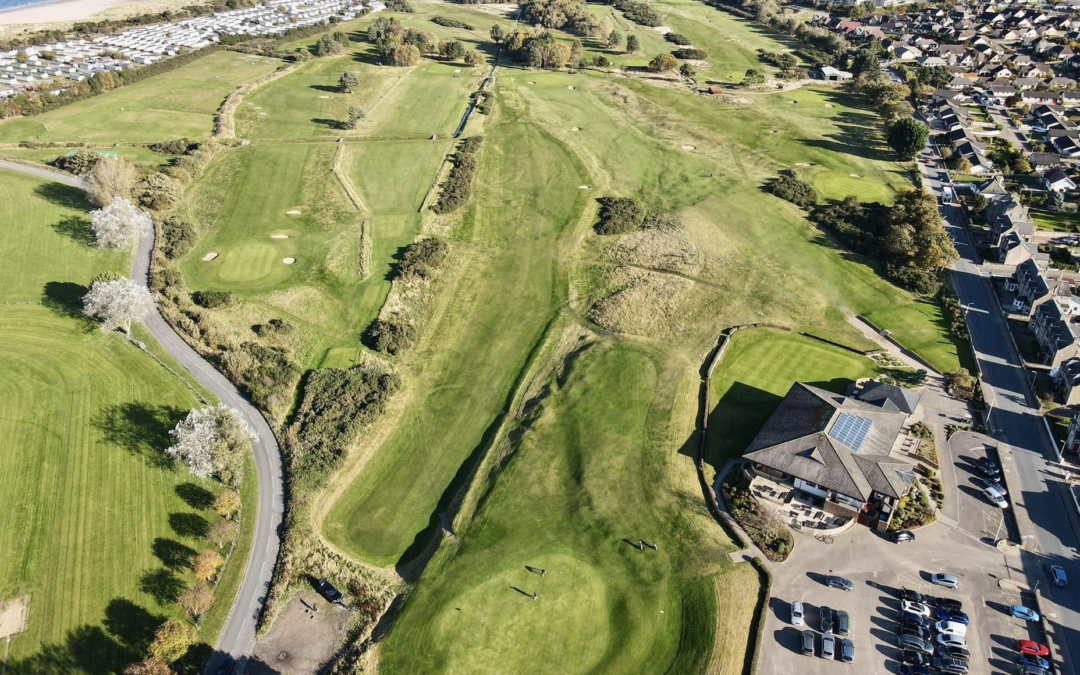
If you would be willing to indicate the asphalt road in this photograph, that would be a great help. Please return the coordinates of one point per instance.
(238, 637)
(1009, 130)
(1016, 420)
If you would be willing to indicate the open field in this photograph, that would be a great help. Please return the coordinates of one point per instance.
(758, 369)
(1055, 222)
(100, 527)
(583, 483)
(176, 104)
(923, 328)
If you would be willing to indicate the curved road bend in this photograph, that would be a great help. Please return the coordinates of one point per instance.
(238, 636)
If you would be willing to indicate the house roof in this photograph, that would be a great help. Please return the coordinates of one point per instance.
(884, 395)
(837, 442)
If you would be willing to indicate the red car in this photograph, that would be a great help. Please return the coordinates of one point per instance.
(1032, 647)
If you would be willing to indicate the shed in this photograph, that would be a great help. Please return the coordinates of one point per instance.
(715, 90)
(328, 591)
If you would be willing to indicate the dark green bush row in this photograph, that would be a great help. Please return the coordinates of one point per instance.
(422, 258)
(78, 163)
(451, 23)
(458, 185)
(336, 405)
(392, 336)
(273, 328)
(677, 38)
(619, 215)
(399, 6)
(177, 237)
(788, 186)
(690, 53)
(638, 12)
(266, 374)
(177, 147)
(213, 299)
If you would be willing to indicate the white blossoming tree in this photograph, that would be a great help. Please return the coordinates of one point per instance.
(117, 303)
(119, 224)
(213, 441)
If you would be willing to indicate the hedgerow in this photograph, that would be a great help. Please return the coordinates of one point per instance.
(458, 185)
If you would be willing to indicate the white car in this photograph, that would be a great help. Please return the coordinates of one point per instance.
(951, 628)
(995, 498)
(797, 616)
(914, 608)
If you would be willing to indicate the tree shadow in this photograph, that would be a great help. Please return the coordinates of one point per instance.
(172, 554)
(64, 195)
(327, 122)
(188, 524)
(77, 229)
(141, 429)
(737, 417)
(330, 89)
(162, 585)
(88, 650)
(65, 298)
(132, 625)
(195, 496)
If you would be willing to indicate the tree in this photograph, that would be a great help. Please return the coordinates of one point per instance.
(452, 51)
(404, 55)
(752, 76)
(602, 62)
(978, 204)
(614, 39)
(213, 440)
(687, 71)
(118, 303)
(110, 178)
(962, 165)
(151, 666)
(196, 600)
(632, 44)
(172, 640)
(962, 383)
(227, 503)
(865, 61)
(156, 191)
(221, 533)
(348, 82)
(119, 224)
(577, 51)
(206, 564)
(475, 58)
(907, 137)
(353, 116)
(497, 33)
(662, 63)
(332, 45)
(1055, 202)
(78, 163)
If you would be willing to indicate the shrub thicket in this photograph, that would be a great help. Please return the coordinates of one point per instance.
(690, 53)
(156, 191)
(267, 374)
(788, 186)
(638, 12)
(619, 215)
(336, 405)
(274, 328)
(450, 23)
(458, 185)
(399, 6)
(177, 147)
(422, 258)
(393, 335)
(213, 299)
(333, 44)
(177, 237)
(78, 163)
(677, 38)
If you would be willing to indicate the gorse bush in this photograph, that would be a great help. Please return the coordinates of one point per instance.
(619, 215)
(213, 299)
(78, 163)
(177, 237)
(177, 147)
(677, 38)
(690, 53)
(788, 186)
(393, 335)
(450, 23)
(422, 258)
(458, 184)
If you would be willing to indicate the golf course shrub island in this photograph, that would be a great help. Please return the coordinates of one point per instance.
(458, 184)
(619, 215)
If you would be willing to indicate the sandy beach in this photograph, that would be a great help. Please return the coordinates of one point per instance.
(60, 10)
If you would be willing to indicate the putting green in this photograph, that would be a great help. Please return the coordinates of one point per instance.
(251, 264)
(497, 626)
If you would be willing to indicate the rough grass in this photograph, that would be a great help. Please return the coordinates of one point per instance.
(757, 370)
(99, 525)
(176, 104)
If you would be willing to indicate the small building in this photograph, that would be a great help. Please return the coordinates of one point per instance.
(716, 90)
(830, 74)
(1056, 180)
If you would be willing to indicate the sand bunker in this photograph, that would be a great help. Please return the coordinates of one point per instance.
(294, 212)
(583, 187)
(854, 175)
(262, 114)
(279, 236)
(288, 261)
(792, 101)
(575, 129)
(14, 614)
(324, 97)
(829, 105)
(571, 87)
(688, 147)
(663, 30)
(209, 256)
(802, 164)
(532, 82)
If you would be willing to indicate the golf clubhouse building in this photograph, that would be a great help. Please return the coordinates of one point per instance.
(838, 451)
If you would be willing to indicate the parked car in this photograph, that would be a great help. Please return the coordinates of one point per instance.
(952, 615)
(988, 469)
(809, 641)
(914, 596)
(1025, 613)
(914, 608)
(905, 669)
(1032, 647)
(828, 646)
(951, 666)
(910, 642)
(920, 621)
(797, 616)
(996, 499)
(950, 652)
(993, 486)
(951, 628)
(917, 631)
(1058, 576)
(1029, 660)
(951, 640)
(901, 536)
(847, 651)
(914, 658)
(826, 619)
(946, 580)
(839, 582)
(843, 623)
(947, 604)
(1032, 670)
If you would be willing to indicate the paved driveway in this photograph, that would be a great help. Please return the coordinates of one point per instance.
(878, 568)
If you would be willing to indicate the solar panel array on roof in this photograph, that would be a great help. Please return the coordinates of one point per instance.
(851, 430)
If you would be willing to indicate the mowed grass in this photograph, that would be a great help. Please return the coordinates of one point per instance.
(526, 200)
(135, 154)
(583, 480)
(176, 104)
(757, 370)
(392, 177)
(99, 528)
(923, 328)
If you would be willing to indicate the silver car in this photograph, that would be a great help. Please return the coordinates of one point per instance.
(946, 580)
(828, 646)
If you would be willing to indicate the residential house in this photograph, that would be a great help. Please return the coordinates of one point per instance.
(1056, 180)
(1056, 334)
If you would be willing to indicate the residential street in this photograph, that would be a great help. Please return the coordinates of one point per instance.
(1044, 511)
(1009, 130)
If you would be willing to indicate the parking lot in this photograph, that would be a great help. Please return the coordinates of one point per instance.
(973, 513)
(878, 569)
